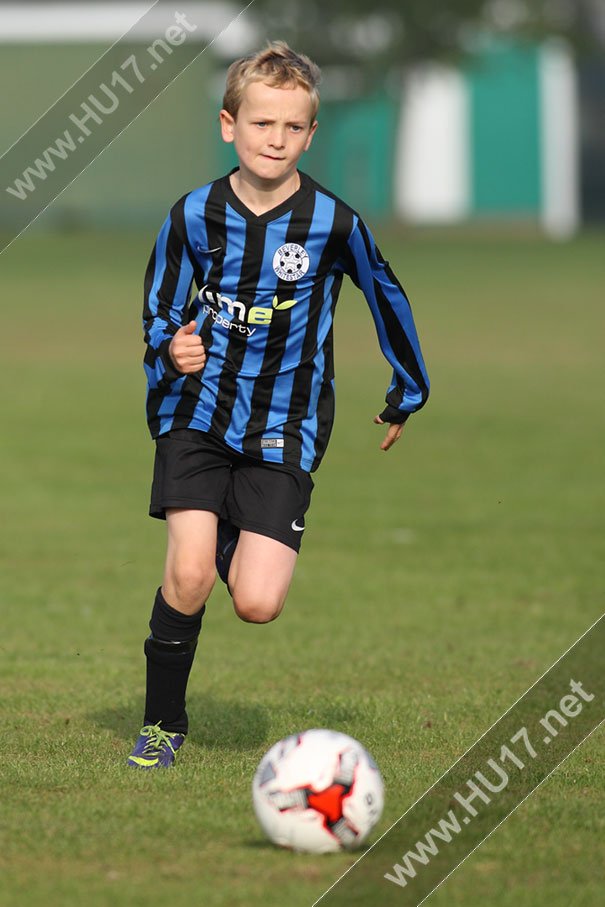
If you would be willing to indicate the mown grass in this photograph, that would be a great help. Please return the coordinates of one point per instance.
(436, 583)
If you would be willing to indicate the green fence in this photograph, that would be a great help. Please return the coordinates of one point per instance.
(505, 131)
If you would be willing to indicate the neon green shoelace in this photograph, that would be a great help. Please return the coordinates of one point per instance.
(156, 738)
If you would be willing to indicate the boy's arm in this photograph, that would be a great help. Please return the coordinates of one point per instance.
(392, 314)
(168, 282)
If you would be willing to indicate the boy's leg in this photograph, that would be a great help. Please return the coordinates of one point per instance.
(260, 576)
(190, 571)
(267, 503)
(176, 618)
(191, 477)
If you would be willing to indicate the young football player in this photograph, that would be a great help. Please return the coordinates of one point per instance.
(240, 376)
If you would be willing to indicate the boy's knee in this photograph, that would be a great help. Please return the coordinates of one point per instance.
(257, 610)
(189, 584)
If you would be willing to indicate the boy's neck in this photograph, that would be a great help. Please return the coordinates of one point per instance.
(260, 196)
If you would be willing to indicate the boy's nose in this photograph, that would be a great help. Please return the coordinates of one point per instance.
(277, 138)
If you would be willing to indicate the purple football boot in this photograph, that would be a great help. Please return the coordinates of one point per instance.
(155, 748)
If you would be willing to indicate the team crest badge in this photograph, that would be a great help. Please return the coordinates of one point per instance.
(291, 262)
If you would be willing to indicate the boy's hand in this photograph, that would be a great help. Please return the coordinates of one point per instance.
(393, 434)
(187, 350)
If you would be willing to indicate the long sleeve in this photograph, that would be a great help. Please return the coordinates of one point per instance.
(168, 282)
(392, 314)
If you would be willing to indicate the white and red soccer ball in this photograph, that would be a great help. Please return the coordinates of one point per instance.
(317, 792)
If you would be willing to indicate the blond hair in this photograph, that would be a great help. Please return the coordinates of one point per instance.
(279, 67)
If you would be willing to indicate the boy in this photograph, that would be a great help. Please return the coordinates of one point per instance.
(241, 390)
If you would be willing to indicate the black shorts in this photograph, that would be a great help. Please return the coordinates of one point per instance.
(196, 471)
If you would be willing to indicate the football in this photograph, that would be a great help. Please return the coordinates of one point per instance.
(317, 792)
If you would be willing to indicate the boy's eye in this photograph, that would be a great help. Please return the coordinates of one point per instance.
(261, 124)
(296, 128)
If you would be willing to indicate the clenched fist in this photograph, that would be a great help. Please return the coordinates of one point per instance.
(187, 350)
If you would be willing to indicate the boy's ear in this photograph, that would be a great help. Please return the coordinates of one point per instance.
(227, 125)
(311, 134)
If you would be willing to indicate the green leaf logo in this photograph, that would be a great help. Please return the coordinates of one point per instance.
(283, 305)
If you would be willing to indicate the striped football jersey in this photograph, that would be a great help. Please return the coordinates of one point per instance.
(265, 292)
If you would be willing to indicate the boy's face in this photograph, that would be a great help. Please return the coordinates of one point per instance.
(272, 130)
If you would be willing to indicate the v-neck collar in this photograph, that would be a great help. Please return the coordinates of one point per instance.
(274, 213)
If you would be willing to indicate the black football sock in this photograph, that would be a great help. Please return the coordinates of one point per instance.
(170, 650)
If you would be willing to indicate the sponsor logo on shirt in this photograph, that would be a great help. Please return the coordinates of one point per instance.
(214, 304)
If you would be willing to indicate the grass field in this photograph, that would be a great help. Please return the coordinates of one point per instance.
(436, 582)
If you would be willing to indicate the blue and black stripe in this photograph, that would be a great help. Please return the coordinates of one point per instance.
(268, 385)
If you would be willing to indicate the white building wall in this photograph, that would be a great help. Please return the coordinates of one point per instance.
(560, 141)
(433, 177)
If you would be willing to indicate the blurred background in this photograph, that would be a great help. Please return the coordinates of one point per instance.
(440, 580)
(432, 113)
